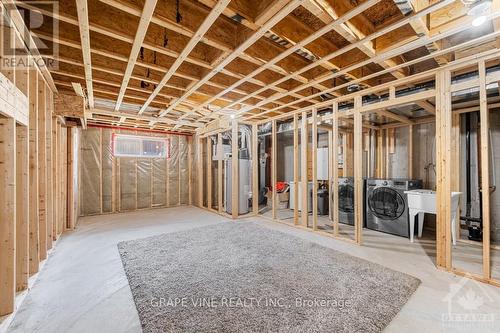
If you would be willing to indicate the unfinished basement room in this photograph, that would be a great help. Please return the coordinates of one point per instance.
(249, 166)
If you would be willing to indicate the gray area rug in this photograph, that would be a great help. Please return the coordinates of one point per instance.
(241, 277)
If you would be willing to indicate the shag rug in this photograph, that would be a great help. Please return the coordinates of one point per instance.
(241, 277)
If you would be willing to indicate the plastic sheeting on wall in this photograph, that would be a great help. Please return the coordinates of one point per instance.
(173, 172)
(107, 172)
(183, 170)
(90, 182)
(144, 173)
(113, 184)
(159, 182)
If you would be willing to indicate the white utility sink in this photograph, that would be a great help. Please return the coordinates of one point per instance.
(424, 201)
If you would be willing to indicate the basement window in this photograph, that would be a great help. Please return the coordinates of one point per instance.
(140, 146)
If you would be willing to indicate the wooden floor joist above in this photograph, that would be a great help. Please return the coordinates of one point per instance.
(207, 59)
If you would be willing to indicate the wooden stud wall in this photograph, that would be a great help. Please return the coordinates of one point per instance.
(29, 173)
(303, 170)
(382, 143)
(7, 215)
(296, 168)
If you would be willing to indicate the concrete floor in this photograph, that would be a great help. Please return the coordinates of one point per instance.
(83, 288)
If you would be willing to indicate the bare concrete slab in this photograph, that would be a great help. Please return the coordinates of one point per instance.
(83, 288)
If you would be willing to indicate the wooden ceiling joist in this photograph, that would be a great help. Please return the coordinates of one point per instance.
(147, 13)
(240, 49)
(346, 49)
(212, 41)
(331, 26)
(207, 23)
(387, 54)
(119, 36)
(83, 19)
(258, 60)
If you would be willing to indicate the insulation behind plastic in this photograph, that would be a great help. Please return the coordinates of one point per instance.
(107, 171)
(138, 182)
(184, 174)
(90, 196)
(159, 182)
(173, 172)
(144, 173)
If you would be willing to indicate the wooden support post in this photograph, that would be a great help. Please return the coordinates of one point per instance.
(22, 186)
(190, 171)
(273, 168)
(234, 170)
(314, 166)
(255, 170)
(42, 169)
(485, 168)
(410, 151)
(330, 174)
(209, 172)
(367, 149)
(296, 168)
(70, 147)
(303, 171)
(358, 170)
(7, 215)
(380, 153)
(443, 169)
(199, 149)
(386, 151)
(455, 177)
(34, 254)
(114, 173)
(179, 171)
(220, 182)
(56, 178)
(63, 179)
(348, 155)
(22, 208)
(167, 175)
(58, 160)
(50, 173)
(344, 154)
(335, 169)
